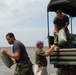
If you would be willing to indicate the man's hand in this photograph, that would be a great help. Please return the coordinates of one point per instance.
(67, 23)
(13, 62)
(53, 47)
(4, 51)
(63, 28)
(57, 33)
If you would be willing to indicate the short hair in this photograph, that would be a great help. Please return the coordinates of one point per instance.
(10, 35)
(58, 11)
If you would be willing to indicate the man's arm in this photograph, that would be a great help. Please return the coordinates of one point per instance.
(67, 23)
(15, 55)
(56, 29)
(48, 52)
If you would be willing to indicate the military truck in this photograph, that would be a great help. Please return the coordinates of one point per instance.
(64, 59)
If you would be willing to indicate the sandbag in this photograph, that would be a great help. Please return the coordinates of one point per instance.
(72, 38)
(73, 42)
(62, 37)
(6, 60)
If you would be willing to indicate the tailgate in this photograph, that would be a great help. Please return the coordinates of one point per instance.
(64, 57)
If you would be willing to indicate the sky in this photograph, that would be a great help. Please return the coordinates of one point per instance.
(27, 19)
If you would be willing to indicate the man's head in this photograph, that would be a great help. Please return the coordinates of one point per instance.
(10, 38)
(59, 14)
(58, 11)
(39, 44)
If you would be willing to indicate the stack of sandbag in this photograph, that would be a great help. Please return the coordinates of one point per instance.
(62, 37)
(72, 38)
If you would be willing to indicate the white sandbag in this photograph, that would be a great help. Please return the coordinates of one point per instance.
(6, 60)
(62, 37)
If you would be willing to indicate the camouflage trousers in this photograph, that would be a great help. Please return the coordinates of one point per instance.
(23, 68)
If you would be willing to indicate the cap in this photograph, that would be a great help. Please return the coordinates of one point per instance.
(39, 42)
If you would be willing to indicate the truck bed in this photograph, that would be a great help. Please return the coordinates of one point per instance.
(64, 57)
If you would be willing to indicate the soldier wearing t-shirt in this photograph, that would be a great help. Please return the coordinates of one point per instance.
(61, 21)
(23, 63)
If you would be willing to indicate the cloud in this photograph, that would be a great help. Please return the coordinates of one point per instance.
(13, 11)
(27, 19)
(21, 17)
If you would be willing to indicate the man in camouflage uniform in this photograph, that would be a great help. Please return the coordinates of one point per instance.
(24, 65)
